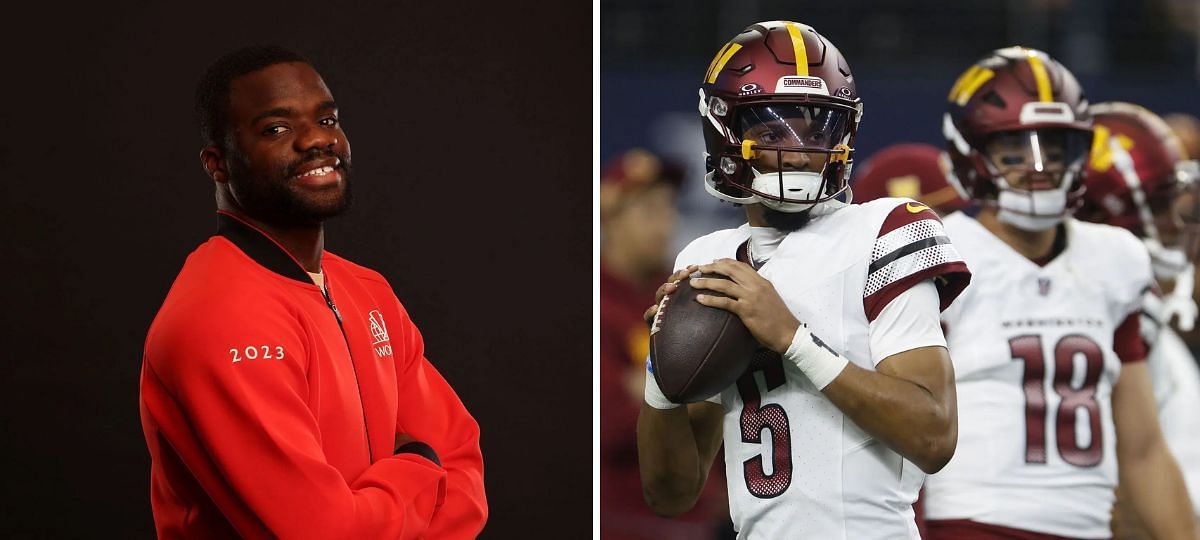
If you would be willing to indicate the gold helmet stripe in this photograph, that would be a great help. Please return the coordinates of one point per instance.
(798, 48)
(1102, 155)
(1045, 94)
(962, 79)
(721, 59)
(968, 83)
(713, 64)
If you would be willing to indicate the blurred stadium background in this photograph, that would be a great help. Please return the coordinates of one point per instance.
(905, 55)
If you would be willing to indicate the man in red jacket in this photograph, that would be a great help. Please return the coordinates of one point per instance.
(284, 390)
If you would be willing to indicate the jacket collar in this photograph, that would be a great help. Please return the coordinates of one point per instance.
(260, 247)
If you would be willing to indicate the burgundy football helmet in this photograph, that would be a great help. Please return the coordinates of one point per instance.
(1138, 179)
(917, 171)
(780, 113)
(1018, 133)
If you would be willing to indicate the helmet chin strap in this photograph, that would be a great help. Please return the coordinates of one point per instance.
(796, 185)
(818, 209)
(1018, 209)
(1035, 210)
(803, 184)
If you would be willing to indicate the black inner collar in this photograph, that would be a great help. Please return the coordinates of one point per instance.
(259, 247)
(1056, 249)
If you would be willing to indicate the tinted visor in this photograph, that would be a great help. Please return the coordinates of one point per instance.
(793, 125)
(1045, 153)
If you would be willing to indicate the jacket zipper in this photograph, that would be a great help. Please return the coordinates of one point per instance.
(338, 315)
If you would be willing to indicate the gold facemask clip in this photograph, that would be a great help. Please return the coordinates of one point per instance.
(748, 152)
(842, 156)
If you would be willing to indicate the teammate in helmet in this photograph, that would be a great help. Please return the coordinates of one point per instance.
(920, 171)
(1054, 395)
(1018, 134)
(851, 402)
(1138, 179)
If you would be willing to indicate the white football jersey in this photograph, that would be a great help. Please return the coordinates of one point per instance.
(1034, 361)
(1176, 381)
(796, 466)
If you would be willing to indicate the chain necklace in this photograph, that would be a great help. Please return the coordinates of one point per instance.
(750, 255)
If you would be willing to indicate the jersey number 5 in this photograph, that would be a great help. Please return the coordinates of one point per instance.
(1028, 349)
(755, 418)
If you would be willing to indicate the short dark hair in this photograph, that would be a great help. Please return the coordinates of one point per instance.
(212, 92)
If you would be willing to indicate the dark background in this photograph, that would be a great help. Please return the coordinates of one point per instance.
(905, 54)
(470, 129)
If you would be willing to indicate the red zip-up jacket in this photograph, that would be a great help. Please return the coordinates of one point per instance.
(271, 410)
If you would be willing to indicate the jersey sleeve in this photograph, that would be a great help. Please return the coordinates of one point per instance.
(912, 246)
(430, 411)
(708, 248)
(240, 422)
(1134, 292)
(910, 321)
(688, 255)
(1128, 342)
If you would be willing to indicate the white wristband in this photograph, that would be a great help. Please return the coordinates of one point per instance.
(653, 394)
(820, 364)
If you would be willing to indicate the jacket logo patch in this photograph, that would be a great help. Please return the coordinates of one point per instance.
(379, 333)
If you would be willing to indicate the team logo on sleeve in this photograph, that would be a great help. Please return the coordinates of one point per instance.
(379, 334)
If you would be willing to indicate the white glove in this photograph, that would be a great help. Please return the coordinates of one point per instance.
(814, 358)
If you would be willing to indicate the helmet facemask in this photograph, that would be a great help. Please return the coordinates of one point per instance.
(1173, 242)
(780, 111)
(1163, 216)
(1185, 211)
(791, 156)
(1037, 174)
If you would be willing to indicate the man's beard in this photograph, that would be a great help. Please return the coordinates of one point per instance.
(786, 221)
(275, 198)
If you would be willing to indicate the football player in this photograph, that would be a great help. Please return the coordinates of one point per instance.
(1139, 179)
(831, 432)
(919, 171)
(1055, 400)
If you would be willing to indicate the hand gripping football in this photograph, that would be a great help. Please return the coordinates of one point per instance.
(697, 351)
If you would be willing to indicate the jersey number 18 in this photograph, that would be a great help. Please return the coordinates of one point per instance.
(1028, 349)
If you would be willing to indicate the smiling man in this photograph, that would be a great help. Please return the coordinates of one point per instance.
(284, 390)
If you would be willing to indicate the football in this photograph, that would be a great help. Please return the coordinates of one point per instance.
(695, 350)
